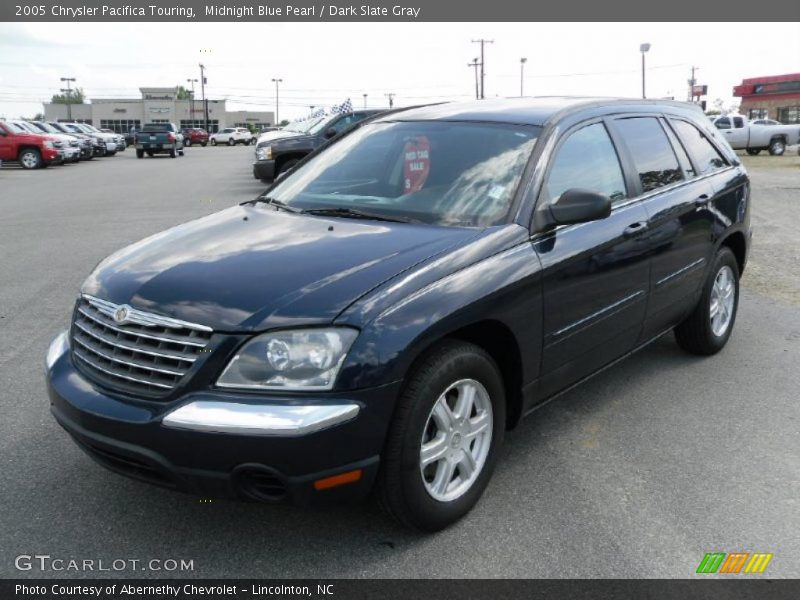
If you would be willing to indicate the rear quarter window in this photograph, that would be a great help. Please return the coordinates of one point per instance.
(652, 154)
(702, 151)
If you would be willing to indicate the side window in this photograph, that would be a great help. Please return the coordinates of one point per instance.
(738, 122)
(705, 155)
(651, 151)
(588, 160)
(723, 123)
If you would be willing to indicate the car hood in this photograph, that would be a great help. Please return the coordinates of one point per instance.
(251, 268)
(270, 136)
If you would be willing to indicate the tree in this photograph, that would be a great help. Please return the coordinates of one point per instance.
(283, 123)
(183, 93)
(76, 96)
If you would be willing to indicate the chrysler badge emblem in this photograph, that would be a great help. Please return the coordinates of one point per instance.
(121, 314)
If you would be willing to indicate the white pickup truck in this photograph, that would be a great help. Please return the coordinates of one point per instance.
(744, 135)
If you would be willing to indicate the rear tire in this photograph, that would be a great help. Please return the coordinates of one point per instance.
(777, 147)
(172, 154)
(203, 144)
(231, 142)
(753, 151)
(708, 328)
(429, 493)
(140, 154)
(187, 142)
(213, 142)
(31, 158)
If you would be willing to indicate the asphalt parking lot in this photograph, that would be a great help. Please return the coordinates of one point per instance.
(637, 473)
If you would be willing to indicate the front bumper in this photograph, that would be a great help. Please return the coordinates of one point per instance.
(265, 460)
(264, 169)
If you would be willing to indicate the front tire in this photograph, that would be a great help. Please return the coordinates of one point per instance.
(777, 147)
(203, 144)
(231, 142)
(213, 142)
(31, 158)
(444, 438)
(187, 142)
(708, 328)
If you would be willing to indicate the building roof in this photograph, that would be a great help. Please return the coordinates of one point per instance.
(529, 111)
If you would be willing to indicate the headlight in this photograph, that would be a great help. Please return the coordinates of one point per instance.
(48, 144)
(302, 359)
(264, 153)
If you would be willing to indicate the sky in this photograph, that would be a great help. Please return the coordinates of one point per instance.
(322, 64)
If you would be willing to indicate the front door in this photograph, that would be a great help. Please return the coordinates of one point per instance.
(595, 275)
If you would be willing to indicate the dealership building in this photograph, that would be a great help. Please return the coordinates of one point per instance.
(774, 97)
(157, 105)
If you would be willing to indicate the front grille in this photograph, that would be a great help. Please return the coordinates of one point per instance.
(136, 352)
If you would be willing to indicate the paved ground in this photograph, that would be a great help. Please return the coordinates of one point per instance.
(637, 473)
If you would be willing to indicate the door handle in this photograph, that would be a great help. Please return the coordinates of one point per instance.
(634, 229)
(702, 200)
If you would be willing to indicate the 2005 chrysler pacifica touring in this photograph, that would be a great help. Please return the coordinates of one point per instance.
(385, 312)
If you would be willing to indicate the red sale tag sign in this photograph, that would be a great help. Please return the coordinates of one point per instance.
(416, 164)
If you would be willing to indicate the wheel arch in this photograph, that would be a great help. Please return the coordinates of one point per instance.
(737, 243)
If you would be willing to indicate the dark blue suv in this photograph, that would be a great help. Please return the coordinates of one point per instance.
(381, 316)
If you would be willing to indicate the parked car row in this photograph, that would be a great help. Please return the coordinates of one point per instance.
(37, 144)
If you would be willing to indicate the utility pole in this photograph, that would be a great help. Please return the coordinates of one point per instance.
(203, 90)
(474, 64)
(277, 82)
(482, 42)
(692, 83)
(192, 82)
(68, 91)
(391, 96)
(365, 101)
(522, 62)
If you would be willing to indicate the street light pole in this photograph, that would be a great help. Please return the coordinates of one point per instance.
(277, 82)
(522, 62)
(365, 101)
(390, 96)
(192, 82)
(203, 91)
(643, 48)
(68, 91)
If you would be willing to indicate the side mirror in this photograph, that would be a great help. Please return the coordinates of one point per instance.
(3, 132)
(330, 132)
(578, 206)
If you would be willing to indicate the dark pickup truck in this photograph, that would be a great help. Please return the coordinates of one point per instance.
(282, 154)
(159, 138)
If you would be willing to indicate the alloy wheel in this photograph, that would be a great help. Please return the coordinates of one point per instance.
(456, 440)
(723, 296)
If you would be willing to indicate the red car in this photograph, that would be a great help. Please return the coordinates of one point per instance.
(31, 150)
(194, 135)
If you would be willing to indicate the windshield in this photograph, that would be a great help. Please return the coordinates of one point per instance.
(15, 128)
(438, 172)
(72, 127)
(321, 124)
(45, 127)
(27, 127)
(302, 126)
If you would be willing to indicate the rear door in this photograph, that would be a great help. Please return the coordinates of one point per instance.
(679, 224)
(595, 275)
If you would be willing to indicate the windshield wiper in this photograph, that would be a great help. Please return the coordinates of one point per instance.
(354, 213)
(274, 202)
